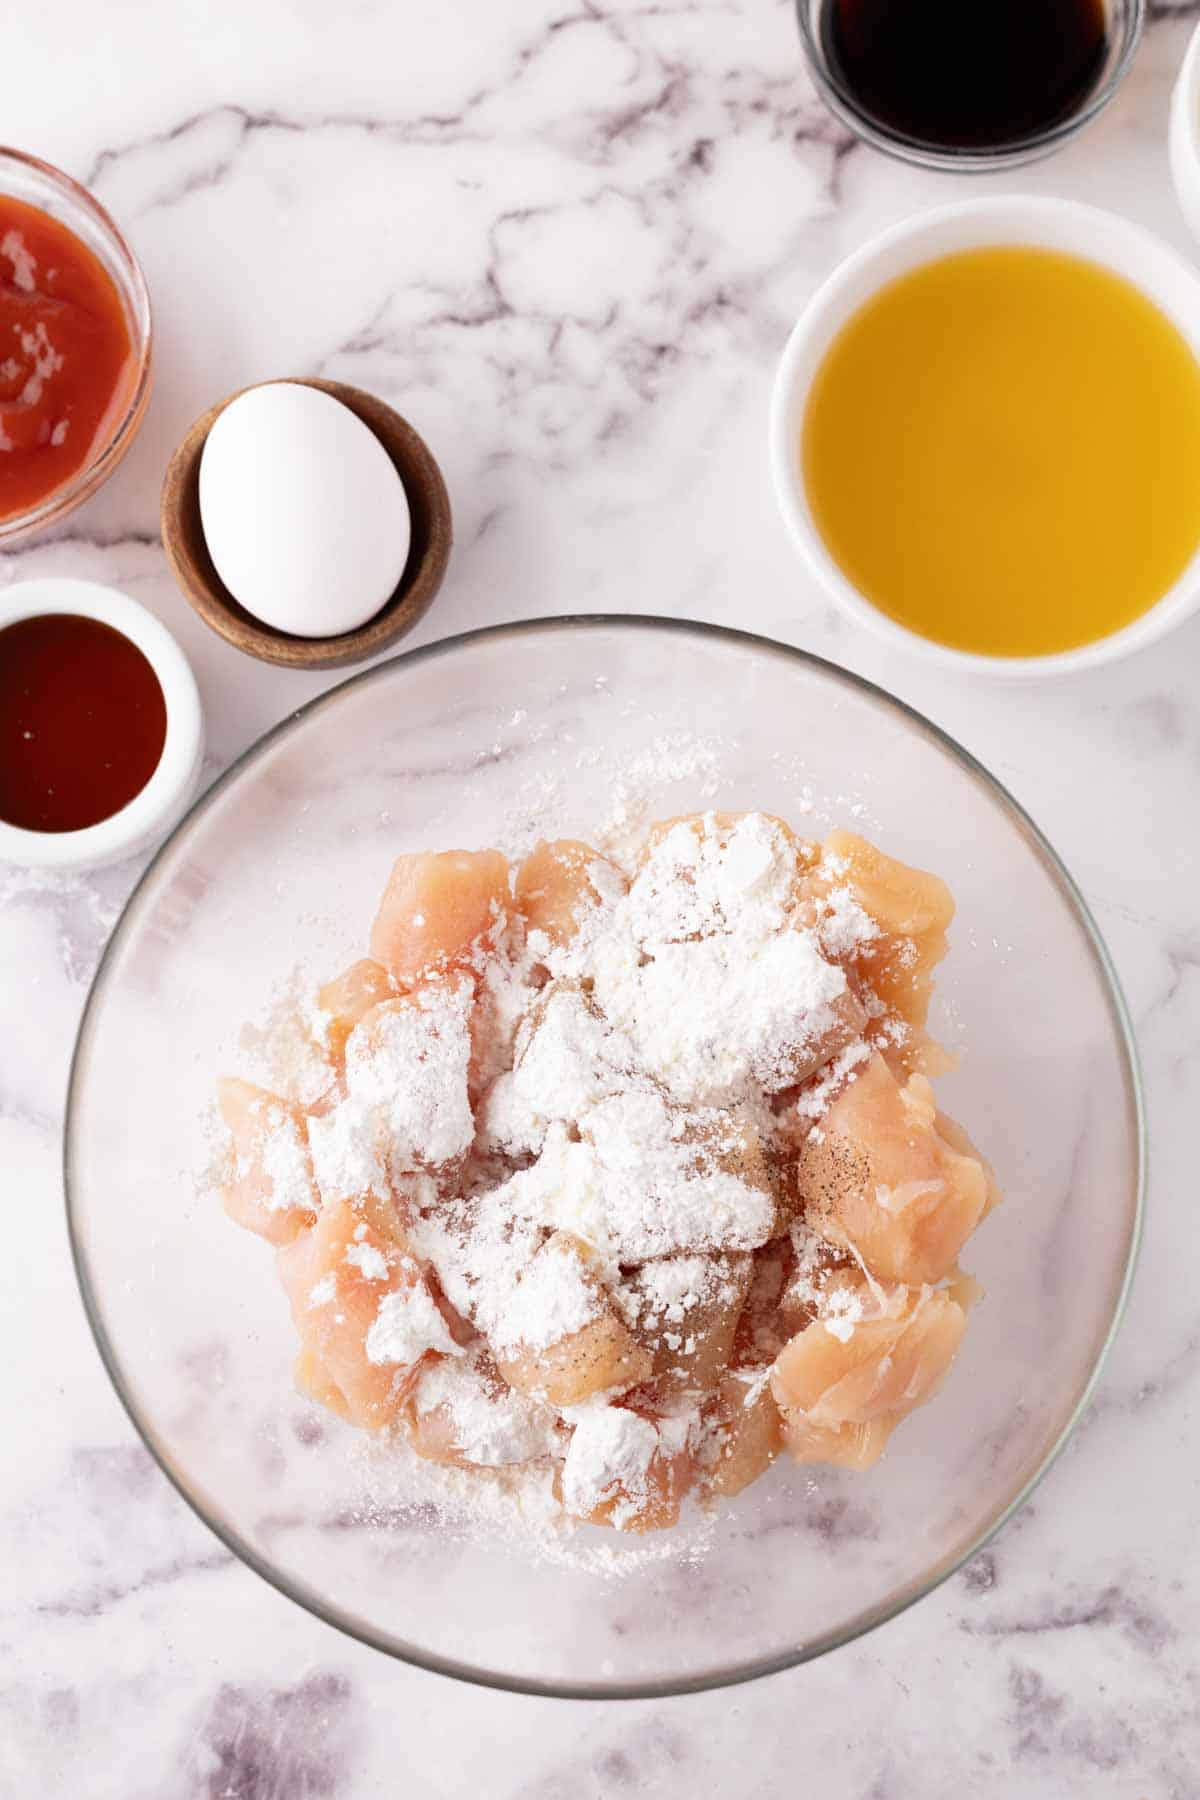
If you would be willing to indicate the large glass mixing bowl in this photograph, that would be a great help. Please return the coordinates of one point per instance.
(550, 728)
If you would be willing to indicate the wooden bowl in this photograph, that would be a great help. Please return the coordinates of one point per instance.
(429, 507)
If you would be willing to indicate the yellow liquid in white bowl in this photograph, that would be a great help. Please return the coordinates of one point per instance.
(1001, 451)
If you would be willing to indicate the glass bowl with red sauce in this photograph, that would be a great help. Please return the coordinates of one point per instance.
(75, 344)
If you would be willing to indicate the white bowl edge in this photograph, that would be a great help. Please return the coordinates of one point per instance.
(1183, 134)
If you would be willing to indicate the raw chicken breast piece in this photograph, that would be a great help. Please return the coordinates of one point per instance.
(270, 1189)
(831, 1384)
(600, 1356)
(366, 1311)
(877, 1176)
(687, 1313)
(556, 885)
(441, 910)
(626, 1469)
(748, 1432)
(910, 909)
(462, 1413)
(723, 823)
(343, 1002)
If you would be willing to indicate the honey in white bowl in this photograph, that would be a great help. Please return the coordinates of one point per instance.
(1001, 451)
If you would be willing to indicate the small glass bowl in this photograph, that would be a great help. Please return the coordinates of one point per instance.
(1125, 21)
(39, 184)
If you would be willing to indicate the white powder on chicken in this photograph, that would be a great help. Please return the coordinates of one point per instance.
(285, 1163)
(701, 967)
(345, 1153)
(631, 1188)
(600, 1130)
(480, 1251)
(677, 996)
(491, 1425)
(370, 1262)
(567, 1059)
(407, 1324)
(665, 1292)
(844, 925)
(662, 1181)
(671, 1288)
(552, 1300)
(406, 1074)
(609, 1457)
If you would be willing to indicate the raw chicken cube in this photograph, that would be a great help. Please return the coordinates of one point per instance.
(844, 1446)
(441, 910)
(725, 1140)
(558, 882)
(723, 823)
(910, 909)
(313, 1381)
(271, 1189)
(748, 1432)
(687, 1310)
(601, 1355)
(959, 1140)
(704, 1185)
(462, 1413)
(877, 1176)
(407, 1071)
(626, 1469)
(843, 1373)
(343, 1002)
(722, 857)
(366, 1311)
(848, 1026)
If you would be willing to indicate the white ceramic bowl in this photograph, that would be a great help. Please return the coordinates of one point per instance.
(155, 809)
(1183, 136)
(1166, 278)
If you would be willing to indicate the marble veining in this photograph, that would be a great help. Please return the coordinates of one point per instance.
(568, 241)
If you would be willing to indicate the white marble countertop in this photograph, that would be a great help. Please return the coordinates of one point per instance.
(568, 242)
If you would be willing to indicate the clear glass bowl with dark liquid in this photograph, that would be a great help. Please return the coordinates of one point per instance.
(969, 85)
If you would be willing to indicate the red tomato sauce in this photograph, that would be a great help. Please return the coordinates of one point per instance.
(67, 362)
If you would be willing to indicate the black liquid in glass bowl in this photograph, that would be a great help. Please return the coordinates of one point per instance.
(968, 84)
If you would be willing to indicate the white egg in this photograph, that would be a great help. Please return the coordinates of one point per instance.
(304, 514)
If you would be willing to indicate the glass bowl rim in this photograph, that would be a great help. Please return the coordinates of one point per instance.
(969, 161)
(131, 284)
(868, 1618)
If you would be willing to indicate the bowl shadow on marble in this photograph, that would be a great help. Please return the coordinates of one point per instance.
(549, 728)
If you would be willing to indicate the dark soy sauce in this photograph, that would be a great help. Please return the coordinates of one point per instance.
(966, 74)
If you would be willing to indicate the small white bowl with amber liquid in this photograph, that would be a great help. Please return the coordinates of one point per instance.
(985, 431)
